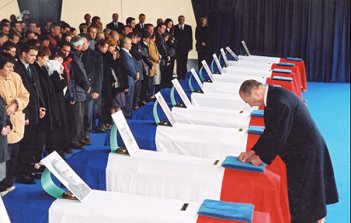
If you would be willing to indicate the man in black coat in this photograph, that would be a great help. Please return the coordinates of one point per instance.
(291, 133)
(115, 25)
(183, 36)
(33, 112)
(202, 36)
(92, 62)
(166, 77)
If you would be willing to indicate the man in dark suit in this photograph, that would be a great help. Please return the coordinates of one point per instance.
(93, 66)
(129, 70)
(115, 25)
(166, 77)
(291, 133)
(33, 112)
(183, 36)
(140, 26)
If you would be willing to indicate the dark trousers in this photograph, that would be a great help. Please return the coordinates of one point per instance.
(90, 114)
(182, 60)
(166, 77)
(145, 89)
(76, 121)
(136, 96)
(203, 54)
(29, 147)
(12, 162)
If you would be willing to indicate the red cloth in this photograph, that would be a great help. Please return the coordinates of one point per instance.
(263, 190)
(295, 87)
(277, 167)
(258, 217)
(302, 68)
(295, 69)
(288, 85)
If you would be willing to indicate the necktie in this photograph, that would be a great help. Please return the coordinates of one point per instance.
(29, 73)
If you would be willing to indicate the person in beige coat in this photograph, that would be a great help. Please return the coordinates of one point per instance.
(155, 75)
(16, 98)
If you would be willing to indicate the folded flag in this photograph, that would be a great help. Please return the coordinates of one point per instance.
(285, 64)
(294, 58)
(257, 113)
(227, 210)
(232, 162)
(285, 71)
(280, 78)
(255, 130)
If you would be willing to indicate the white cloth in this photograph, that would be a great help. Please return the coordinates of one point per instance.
(165, 175)
(221, 87)
(201, 141)
(220, 100)
(239, 78)
(4, 218)
(247, 71)
(212, 116)
(112, 207)
(260, 58)
(53, 66)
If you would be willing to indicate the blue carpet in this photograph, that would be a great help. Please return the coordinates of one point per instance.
(329, 104)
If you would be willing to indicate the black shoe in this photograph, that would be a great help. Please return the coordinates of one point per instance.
(68, 151)
(25, 179)
(76, 145)
(101, 129)
(86, 141)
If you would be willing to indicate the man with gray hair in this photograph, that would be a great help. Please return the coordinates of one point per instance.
(78, 87)
(291, 133)
(130, 71)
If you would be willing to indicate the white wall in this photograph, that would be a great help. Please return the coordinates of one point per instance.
(74, 10)
(7, 8)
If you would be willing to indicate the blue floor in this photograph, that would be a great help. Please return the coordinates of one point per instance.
(330, 107)
(329, 104)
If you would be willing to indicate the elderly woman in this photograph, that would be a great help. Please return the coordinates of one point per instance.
(16, 97)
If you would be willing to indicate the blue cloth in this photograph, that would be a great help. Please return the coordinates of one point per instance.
(257, 113)
(214, 68)
(144, 133)
(233, 163)
(145, 112)
(166, 93)
(280, 78)
(285, 71)
(285, 64)
(294, 58)
(90, 165)
(227, 210)
(255, 130)
(230, 57)
(186, 85)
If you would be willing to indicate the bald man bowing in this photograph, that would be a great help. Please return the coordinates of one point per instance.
(291, 133)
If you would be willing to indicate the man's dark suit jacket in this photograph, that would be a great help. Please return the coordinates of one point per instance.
(291, 133)
(184, 38)
(93, 65)
(128, 67)
(36, 99)
(112, 26)
(162, 47)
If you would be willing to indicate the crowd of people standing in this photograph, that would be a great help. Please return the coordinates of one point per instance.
(55, 81)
